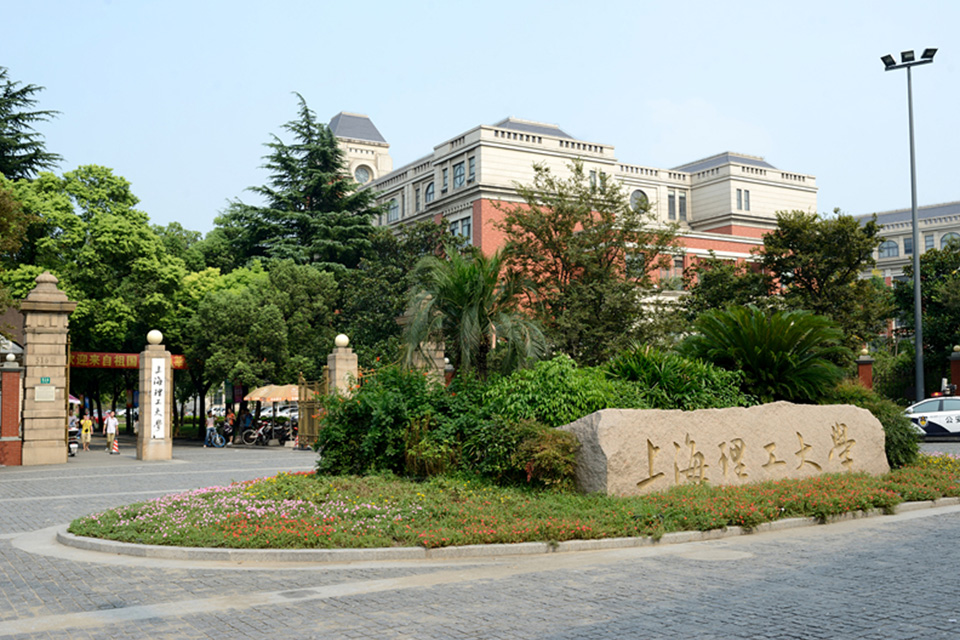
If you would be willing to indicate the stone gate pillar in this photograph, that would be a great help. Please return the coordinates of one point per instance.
(46, 310)
(342, 365)
(11, 438)
(155, 435)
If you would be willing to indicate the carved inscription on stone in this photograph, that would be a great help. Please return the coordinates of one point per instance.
(630, 452)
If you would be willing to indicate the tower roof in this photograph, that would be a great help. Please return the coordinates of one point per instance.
(355, 126)
(538, 128)
(727, 157)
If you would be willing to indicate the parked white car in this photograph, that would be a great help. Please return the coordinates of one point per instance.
(936, 416)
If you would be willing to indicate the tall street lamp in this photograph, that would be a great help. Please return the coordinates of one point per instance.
(907, 61)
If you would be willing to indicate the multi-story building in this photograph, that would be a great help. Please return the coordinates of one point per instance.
(939, 223)
(724, 203)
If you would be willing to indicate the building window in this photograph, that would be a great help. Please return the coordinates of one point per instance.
(743, 199)
(947, 237)
(639, 200)
(889, 249)
(672, 204)
(458, 175)
(428, 194)
(928, 242)
(462, 229)
(446, 181)
(363, 174)
(682, 205)
(908, 246)
(393, 211)
(416, 199)
(471, 169)
(593, 179)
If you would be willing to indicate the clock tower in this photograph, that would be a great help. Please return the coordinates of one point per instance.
(366, 153)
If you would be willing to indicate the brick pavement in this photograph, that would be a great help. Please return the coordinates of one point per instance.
(888, 577)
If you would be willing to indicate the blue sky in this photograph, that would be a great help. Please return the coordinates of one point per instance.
(179, 97)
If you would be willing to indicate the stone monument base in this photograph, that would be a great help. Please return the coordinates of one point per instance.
(44, 452)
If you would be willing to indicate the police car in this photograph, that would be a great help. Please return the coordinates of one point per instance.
(936, 416)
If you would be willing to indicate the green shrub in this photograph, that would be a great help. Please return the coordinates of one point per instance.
(784, 355)
(669, 381)
(368, 431)
(548, 456)
(901, 439)
(554, 392)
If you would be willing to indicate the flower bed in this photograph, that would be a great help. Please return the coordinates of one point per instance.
(302, 510)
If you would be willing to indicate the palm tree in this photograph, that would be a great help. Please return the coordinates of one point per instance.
(783, 355)
(469, 302)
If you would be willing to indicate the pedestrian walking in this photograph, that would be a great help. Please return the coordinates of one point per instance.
(110, 426)
(86, 431)
(211, 430)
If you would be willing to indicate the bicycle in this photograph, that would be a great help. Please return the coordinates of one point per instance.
(218, 439)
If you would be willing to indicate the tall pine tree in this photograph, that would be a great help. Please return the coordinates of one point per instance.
(22, 154)
(314, 213)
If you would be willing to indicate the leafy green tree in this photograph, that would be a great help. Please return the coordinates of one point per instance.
(22, 151)
(313, 213)
(373, 296)
(713, 283)
(817, 263)
(587, 253)
(783, 355)
(940, 304)
(183, 244)
(469, 302)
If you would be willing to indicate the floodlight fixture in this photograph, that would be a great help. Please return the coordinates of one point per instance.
(907, 56)
(928, 54)
(888, 61)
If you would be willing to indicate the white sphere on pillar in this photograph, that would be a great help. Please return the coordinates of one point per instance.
(341, 340)
(154, 337)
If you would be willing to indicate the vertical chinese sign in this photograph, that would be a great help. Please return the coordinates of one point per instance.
(158, 396)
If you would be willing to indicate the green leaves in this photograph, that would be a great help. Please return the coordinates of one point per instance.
(469, 302)
(22, 151)
(585, 252)
(783, 355)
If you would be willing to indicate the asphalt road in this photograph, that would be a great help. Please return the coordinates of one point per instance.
(883, 577)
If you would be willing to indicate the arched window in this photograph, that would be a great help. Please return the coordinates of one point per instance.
(428, 193)
(889, 249)
(947, 237)
(393, 211)
(639, 200)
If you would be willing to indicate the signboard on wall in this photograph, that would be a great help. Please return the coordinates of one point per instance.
(100, 360)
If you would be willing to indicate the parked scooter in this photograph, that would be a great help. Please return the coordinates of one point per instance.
(73, 440)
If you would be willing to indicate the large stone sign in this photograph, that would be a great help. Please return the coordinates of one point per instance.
(632, 452)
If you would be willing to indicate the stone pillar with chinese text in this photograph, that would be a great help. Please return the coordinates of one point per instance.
(11, 439)
(46, 311)
(155, 434)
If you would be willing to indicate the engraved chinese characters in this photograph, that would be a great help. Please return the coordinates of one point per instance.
(629, 452)
(158, 396)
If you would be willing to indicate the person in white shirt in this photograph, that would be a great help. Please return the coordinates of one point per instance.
(110, 425)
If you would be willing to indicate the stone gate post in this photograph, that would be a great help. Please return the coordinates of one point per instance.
(46, 311)
(342, 365)
(155, 435)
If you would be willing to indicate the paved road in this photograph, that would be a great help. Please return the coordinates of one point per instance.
(888, 577)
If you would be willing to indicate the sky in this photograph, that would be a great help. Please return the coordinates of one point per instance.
(179, 97)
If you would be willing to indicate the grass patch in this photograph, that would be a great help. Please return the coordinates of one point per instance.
(304, 510)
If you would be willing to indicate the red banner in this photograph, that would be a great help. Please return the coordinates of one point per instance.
(96, 360)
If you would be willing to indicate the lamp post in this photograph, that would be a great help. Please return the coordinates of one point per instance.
(908, 61)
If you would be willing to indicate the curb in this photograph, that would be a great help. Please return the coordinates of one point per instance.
(467, 551)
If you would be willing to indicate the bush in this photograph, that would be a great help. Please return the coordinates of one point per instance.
(548, 456)
(554, 392)
(670, 381)
(901, 439)
(784, 355)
